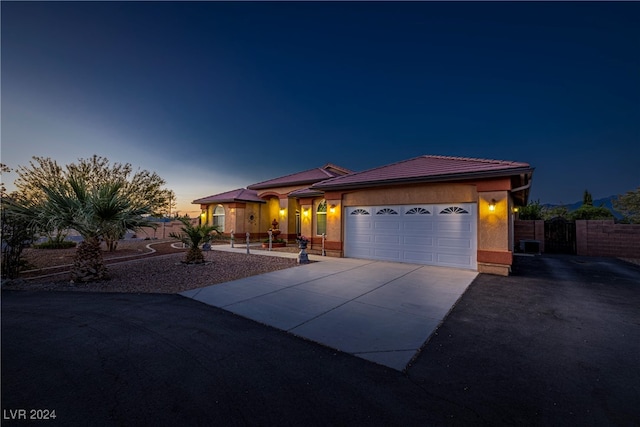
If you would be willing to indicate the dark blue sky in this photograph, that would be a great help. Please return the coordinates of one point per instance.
(216, 96)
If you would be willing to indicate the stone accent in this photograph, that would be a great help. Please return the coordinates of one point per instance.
(497, 269)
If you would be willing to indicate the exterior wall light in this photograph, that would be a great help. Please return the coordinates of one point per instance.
(492, 205)
(281, 212)
(332, 208)
(516, 209)
(305, 212)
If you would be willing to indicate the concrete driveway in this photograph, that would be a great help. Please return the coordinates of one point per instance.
(379, 311)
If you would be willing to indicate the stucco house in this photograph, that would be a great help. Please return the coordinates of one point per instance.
(435, 210)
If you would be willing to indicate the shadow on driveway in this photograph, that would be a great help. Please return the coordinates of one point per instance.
(557, 343)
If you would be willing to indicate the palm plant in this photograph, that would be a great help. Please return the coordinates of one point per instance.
(94, 213)
(192, 236)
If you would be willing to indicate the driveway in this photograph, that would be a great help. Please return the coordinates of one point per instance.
(555, 344)
(380, 311)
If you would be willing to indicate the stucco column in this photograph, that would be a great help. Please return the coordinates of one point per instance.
(333, 242)
(208, 215)
(494, 247)
(306, 213)
(284, 218)
(236, 218)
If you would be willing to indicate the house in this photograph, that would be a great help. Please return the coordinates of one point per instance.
(435, 210)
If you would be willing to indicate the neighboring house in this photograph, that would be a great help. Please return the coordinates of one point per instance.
(435, 210)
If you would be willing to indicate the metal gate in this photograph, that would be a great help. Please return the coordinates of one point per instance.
(560, 236)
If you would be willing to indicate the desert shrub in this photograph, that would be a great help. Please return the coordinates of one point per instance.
(534, 210)
(53, 244)
(591, 212)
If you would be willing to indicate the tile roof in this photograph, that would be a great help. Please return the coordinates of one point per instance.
(239, 195)
(425, 168)
(305, 192)
(300, 178)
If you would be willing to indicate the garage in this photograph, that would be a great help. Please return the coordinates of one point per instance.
(436, 234)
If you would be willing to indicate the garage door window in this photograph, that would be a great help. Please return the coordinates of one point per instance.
(453, 210)
(418, 211)
(321, 218)
(386, 211)
(360, 212)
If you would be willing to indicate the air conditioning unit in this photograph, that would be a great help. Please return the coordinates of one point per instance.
(530, 246)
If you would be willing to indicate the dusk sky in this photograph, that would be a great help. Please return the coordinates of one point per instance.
(217, 96)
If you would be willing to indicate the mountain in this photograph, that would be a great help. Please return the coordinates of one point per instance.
(606, 202)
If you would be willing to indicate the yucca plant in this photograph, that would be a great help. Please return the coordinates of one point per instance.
(193, 236)
(94, 213)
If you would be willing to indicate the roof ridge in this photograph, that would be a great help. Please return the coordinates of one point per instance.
(334, 166)
(473, 159)
(326, 172)
(284, 176)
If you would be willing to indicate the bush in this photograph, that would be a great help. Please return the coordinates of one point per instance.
(591, 212)
(533, 210)
(53, 244)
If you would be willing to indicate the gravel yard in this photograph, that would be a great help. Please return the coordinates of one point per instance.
(158, 272)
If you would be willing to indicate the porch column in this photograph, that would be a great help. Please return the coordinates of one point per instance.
(306, 217)
(333, 242)
(284, 219)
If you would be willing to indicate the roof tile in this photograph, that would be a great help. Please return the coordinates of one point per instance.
(239, 195)
(305, 177)
(422, 168)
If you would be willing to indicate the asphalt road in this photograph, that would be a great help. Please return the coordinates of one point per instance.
(557, 343)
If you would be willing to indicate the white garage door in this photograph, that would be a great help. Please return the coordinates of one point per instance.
(442, 235)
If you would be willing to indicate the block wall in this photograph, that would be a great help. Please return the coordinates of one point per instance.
(593, 238)
(605, 238)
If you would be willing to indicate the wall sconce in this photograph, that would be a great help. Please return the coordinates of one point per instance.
(332, 209)
(492, 205)
(516, 209)
(305, 212)
(281, 212)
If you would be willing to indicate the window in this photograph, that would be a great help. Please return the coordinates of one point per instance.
(218, 217)
(452, 210)
(386, 211)
(360, 212)
(321, 218)
(418, 211)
